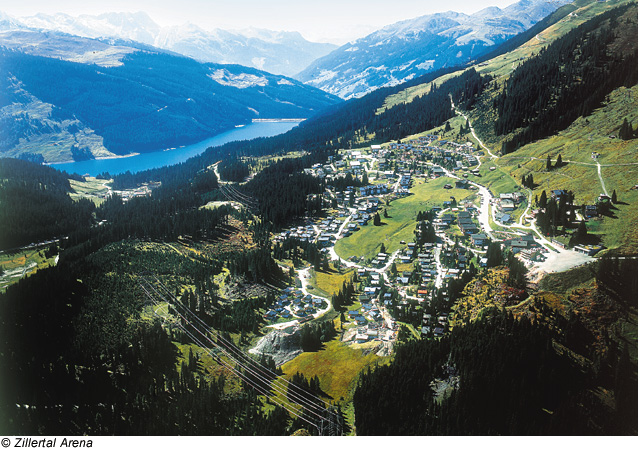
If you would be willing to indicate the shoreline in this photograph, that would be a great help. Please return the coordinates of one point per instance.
(100, 158)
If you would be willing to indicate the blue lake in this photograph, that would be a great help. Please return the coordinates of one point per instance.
(152, 160)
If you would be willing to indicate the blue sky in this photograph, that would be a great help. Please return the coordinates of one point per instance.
(336, 21)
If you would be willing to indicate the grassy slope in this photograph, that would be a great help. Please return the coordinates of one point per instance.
(576, 143)
(21, 264)
(502, 66)
(402, 220)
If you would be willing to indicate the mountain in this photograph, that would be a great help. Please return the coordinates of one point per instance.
(407, 49)
(285, 53)
(65, 97)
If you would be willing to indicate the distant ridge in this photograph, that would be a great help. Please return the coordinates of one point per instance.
(285, 53)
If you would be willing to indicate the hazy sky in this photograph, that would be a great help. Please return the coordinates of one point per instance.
(336, 21)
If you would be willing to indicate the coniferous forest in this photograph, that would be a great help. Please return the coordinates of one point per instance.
(569, 78)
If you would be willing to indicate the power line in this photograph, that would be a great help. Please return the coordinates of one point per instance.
(301, 395)
(260, 389)
(297, 394)
(233, 348)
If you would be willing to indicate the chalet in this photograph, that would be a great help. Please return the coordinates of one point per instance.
(479, 239)
(447, 218)
(405, 259)
(507, 205)
(464, 215)
(462, 184)
(590, 211)
(468, 228)
(438, 172)
(483, 262)
(505, 219)
(521, 243)
(371, 291)
(556, 193)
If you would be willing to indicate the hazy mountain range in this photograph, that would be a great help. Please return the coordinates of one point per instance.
(285, 53)
(407, 49)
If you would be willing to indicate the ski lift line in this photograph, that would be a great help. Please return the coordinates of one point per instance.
(229, 195)
(265, 380)
(261, 390)
(240, 194)
(279, 379)
(264, 391)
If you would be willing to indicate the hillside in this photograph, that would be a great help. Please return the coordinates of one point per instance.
(66, 98)
(408, 49)
(588, 127)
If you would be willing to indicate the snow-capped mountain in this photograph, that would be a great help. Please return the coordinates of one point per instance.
(407, 49)
(285, 53)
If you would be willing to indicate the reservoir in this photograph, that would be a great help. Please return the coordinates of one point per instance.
(152, 160)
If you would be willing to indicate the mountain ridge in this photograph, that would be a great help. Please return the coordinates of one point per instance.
(263, 49)
(407, 49)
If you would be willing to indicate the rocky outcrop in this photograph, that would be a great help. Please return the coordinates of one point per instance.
(281, 345)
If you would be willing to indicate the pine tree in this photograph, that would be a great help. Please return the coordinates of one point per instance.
(626, 131)
(559, 161)
(614, 197)
(542, 203)
(581, 233)
(549, 166)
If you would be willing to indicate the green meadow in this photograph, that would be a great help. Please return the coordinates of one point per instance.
(401, 223)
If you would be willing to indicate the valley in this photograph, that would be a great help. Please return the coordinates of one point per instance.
(453, 255)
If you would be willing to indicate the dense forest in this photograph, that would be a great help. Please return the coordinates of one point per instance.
(69, 366)
(569, 78)
(495, 376)
(35, 204)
